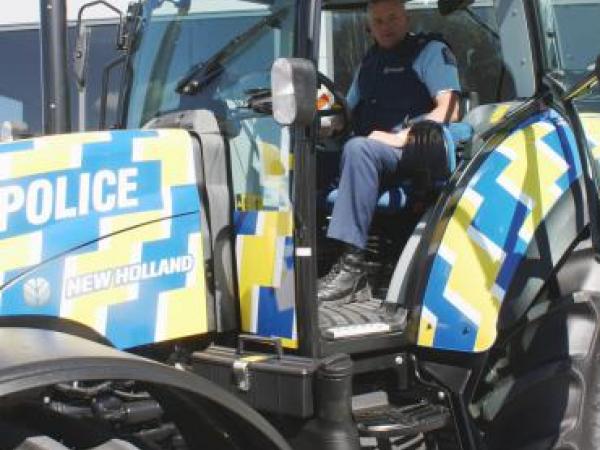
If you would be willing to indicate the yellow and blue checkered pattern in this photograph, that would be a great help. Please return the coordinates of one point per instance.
(132, 269)
(489, 232)
(265, 247)
(265, 264)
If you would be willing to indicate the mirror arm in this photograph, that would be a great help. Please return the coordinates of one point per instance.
(82, 43)
(585, 85)
(104, 95)
(120, 36)
(582, 87)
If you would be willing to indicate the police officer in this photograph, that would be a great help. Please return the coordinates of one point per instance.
(403, 78)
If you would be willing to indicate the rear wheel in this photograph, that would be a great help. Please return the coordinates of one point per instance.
(543, 391)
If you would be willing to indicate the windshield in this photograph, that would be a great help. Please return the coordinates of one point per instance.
(196, 41)
(570, 34)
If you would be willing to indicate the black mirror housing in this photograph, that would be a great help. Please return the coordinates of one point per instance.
(294, 91)
(80, 56)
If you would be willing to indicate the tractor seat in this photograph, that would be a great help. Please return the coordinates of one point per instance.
(396, 199)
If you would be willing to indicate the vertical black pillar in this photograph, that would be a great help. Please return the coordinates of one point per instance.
(53, 34)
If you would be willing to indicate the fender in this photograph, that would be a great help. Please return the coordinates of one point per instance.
(53, 323)
(503, 203)
(38, 358)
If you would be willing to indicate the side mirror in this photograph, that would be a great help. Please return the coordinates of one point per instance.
(82, 44)
(446, 7)
(294, 91)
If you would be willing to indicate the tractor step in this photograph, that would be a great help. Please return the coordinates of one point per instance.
(360, 319)
(364, 329)
(388, 421)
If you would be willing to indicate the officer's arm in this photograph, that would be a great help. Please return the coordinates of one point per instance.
(445, 110)
(446, 107)
(436, 66)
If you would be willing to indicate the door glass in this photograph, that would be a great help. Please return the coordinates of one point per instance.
(476, 46)
(570, 33)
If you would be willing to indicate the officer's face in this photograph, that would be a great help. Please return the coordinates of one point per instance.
(388, 22)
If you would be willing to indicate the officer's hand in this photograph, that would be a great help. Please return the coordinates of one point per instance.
(392, 139)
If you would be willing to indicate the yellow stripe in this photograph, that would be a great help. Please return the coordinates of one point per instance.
(427, 331)
(185, 312)
(499, 113)
(591, 125)
(254, 273)
(289, 343)
(535, 174)
(52, 153)
(271, 160)
(153, 228)
(20, 251)
(174, 149)
(185, 309)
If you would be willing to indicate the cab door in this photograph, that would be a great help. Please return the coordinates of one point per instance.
(261, 165)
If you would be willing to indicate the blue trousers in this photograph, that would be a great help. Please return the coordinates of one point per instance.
(367, 168)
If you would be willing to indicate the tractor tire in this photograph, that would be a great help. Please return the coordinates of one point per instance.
(546, 391)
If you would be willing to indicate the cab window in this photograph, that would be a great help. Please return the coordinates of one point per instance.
(471, 34)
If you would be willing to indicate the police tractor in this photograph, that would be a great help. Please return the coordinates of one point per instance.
(158, 276)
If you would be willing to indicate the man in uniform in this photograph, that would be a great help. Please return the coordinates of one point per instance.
(404, 79)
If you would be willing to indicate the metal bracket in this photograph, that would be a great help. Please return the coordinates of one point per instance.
(241, 375)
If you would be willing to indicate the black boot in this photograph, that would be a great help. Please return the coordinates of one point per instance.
(347, 280)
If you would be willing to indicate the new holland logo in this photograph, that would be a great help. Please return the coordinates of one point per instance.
(36, 291)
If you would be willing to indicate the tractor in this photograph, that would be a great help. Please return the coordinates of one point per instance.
(158, 276)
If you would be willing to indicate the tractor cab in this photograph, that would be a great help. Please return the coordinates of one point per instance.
(271, 183)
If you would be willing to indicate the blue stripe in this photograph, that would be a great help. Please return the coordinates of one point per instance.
(18, 146)
(449, 318)
(490, 218)
(245, 222)
(514, 248)
(271, 320)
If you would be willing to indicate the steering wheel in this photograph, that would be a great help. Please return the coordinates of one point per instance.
(339, 108)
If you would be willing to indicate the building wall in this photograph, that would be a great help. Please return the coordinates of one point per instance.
(26, 12)
(21, 80)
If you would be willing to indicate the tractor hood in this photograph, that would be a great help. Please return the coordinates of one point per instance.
(104, 229)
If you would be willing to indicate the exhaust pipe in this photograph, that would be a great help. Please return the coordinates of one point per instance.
(53, 33)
